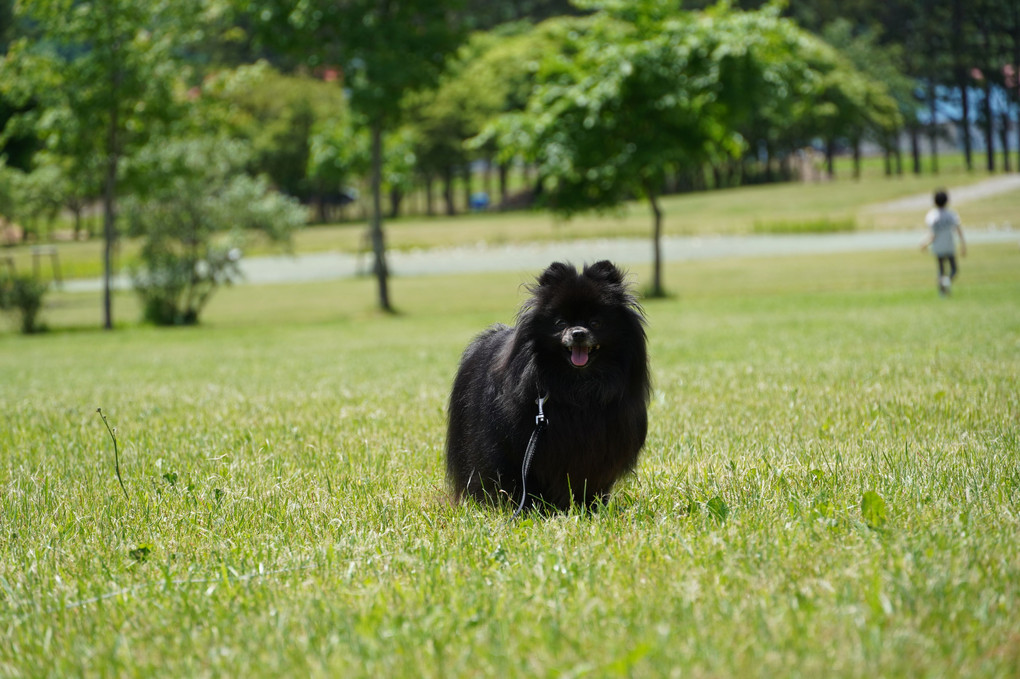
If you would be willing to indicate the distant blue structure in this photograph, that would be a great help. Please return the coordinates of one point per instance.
(479, 201)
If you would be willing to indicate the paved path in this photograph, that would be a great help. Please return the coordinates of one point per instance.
(959, 195)
(529, 258)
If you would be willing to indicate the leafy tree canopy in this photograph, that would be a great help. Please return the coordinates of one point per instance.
(642, 88)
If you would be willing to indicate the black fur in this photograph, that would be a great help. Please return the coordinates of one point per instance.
(597, 413)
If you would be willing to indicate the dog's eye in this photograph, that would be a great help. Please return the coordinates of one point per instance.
(560, 323)
(595, 324)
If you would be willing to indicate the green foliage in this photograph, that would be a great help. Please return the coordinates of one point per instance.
(338, 154)
(23, 296)
(881, 63)
(103, 74)
(199, 211)
(285, 118)
(493, 73)
(400, 164)
(384, 49)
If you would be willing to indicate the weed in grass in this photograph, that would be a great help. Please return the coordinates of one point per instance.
(873, 510)
(116, 453)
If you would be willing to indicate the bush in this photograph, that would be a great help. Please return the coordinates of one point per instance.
(23, 295)
(194, 218)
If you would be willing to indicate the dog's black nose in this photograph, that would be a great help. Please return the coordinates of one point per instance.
(579, 335)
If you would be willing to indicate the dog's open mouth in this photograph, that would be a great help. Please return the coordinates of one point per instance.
(580, 355)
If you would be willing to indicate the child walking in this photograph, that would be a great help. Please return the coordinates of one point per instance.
(942, 223)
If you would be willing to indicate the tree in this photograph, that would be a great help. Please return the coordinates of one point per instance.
(197, 211)
(879, 64)
(385, 49)
(645, 89)
(104, 75)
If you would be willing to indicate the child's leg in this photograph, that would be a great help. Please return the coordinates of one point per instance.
(942, 280)
(952, 266)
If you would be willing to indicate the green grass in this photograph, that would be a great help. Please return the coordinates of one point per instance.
(286, 512)
(822, 225)
(729, 211)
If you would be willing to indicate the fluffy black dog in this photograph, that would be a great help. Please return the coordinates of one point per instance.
(580, 341)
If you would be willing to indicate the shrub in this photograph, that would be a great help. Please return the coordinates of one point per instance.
(196, 213)
(23, 295)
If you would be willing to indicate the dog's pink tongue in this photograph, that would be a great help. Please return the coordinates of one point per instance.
(579, 356)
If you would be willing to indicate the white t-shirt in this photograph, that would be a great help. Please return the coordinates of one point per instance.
(942, 222)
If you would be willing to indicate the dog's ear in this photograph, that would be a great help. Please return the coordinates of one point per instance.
(556, 273)
(604, 271)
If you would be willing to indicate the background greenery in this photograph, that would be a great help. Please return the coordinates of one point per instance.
(358, 108)
(829, 487)
(732, 211)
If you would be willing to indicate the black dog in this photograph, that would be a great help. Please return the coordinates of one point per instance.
(579, 341)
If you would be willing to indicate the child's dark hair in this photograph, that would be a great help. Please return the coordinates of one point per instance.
(941, 198)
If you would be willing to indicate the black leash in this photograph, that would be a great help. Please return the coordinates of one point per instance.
(541, 422)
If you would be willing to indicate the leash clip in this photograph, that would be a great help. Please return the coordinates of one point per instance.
(541, 418)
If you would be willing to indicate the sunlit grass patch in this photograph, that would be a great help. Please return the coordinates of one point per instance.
(820, 225)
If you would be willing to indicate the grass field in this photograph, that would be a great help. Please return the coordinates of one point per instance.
(831, 487)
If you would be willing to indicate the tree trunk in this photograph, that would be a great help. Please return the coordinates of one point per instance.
(504, 175)
(487, 177)
(965, 128)
(378, 239)
(430, 207)
(1014, 35)
(933, 127)
(915, 148)
(109, 206)
(962, 80)
(448, 173)
(657, 289)
(1004, 137)
(982, 20)
(396, 198)
(989, 127)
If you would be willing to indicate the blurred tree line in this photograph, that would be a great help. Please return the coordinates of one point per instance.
(592, 101)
